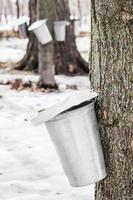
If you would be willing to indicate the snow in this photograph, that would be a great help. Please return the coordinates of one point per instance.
(83, 45)
(6, 27)
(13, 49)
(29, 167)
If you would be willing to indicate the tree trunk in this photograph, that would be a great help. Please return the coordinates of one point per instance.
(111, 73)
(46, 52)
(80, 9)
(17, 8)
(30, 60)
(66, 56)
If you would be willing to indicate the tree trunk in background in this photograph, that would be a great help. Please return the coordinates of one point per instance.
(17, 8)
(30, 60)
(111, 73)
(46, 52)
(79, 8)
(66, 56)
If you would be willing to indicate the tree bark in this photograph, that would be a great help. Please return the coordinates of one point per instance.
(111, 73)
(46, 52)
(30, 60)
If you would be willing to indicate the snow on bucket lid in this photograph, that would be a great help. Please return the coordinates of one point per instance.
(37, 24)
(73, 99)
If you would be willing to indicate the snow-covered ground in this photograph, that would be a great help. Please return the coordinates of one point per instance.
(13, 49)
(29, 167)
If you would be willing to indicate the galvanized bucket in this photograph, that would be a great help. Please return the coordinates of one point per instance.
(60, 30)
(22, 23)
(75, 135)
(23, 30)
(41, 31)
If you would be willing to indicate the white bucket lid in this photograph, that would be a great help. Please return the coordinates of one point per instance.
(73, 99)
(37, 24)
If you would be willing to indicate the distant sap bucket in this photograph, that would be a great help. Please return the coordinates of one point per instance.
(41, 31)
(75, 134)
(60, 30)
(23, 30)
(77, 27)
(22, 26)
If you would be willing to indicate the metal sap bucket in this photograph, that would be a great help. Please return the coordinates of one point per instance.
(60, 30)
(76, 137)
(23, 27)
(23, 30)
(41, 31)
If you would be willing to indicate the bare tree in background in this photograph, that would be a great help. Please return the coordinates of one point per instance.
(30, 60)
(46, 52)
(17, 8)
(6, 9)
(66, 56)
(112, 74)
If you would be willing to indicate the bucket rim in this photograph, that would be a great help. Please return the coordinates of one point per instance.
(37, 24)
(68, 113)
(60, 23)
(75, 98)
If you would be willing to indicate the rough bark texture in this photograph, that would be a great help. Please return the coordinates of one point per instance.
(30, 60)
(46, 52)
(111, 74)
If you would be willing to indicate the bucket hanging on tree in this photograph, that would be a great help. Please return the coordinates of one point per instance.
(60, 30)
(72, 126)
(41, 31)
(22, 24)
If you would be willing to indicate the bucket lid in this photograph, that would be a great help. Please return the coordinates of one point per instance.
(37, 24)
(73, 99)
